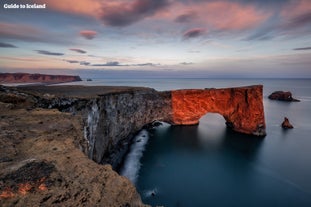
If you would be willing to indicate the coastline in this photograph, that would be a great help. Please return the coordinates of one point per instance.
(45, 124)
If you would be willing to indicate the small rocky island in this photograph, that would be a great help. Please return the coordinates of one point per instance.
(282, 96)
(22, 78)
(51, 136)
(286, 124)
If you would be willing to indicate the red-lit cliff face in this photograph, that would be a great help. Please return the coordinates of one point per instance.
(36, 78)
(241, 107)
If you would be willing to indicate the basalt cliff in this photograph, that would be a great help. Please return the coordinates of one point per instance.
(67, 124)
(36, 78)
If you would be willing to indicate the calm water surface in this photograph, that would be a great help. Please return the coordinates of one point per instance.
(207, 165)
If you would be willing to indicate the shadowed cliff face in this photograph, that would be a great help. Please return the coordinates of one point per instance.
(241, 107)
(113, 120)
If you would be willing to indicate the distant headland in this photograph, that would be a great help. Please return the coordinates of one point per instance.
(6, 78)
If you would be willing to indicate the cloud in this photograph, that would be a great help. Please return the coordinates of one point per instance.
(77, 61)
(78, 50)
(194, 51)
(302, 48)
(29, 33)
(145, 64)
(88, 34)
(115, 63)
(71, 61)
(186, 63)
(299, 21)
(20, 32)
(84, 63)
(185, 18)
(296, 14)
(45, 52)
(124, 13)
(81, 7)
(192, 33)
(2, 44)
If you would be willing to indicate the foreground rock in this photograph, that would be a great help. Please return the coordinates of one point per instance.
(41, 162)
(36, 78)
(282, 96)
(286, 124)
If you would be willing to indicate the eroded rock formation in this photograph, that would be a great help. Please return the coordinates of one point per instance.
(242, 107)
(282, 96)
(36, 78)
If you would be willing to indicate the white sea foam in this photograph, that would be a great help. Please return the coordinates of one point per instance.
(150, 192)
(132, 162)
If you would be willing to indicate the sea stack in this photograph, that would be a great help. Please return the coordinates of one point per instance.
(286, 124)
(282, 96)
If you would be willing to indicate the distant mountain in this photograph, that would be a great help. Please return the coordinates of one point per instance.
(36, 78)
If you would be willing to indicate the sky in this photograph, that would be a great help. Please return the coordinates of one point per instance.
(199, 38)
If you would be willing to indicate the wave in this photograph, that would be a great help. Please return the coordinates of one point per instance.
(150, 193)
(132, 163)
(304, 98)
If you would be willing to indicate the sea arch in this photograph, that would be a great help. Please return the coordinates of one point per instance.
(241, 107)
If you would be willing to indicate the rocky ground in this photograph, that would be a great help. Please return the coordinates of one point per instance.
(41, 162)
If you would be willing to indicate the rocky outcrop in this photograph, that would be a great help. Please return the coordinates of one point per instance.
(41, 163)
(36, 78)
(286, 124)
(282, 96)
(242, 107)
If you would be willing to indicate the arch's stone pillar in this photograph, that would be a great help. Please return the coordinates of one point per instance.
(241, 107)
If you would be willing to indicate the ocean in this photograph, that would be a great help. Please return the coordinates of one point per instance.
(209, 165)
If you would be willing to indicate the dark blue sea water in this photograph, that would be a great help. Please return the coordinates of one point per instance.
(208, 165)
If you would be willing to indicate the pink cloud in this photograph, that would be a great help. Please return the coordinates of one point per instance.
(113, 13)
(88, 34)
(216, 15)
(296, 15)
(30, 33)
(82, 7)
(232, 16)
(126, 13)
(20, 31)
(296, 8)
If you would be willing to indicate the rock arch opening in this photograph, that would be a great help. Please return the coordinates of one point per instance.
(211, 129)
